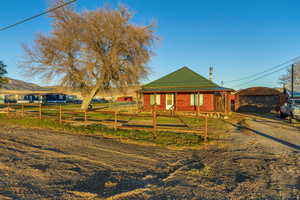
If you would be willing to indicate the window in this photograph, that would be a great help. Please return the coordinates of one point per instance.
(158, 99)
(194, 98)
(155, 99)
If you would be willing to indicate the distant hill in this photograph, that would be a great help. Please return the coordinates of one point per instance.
(13, 84)
(19, 86)
(113, 93)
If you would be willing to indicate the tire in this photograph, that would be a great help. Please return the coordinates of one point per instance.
(282, 116)
(292, 120)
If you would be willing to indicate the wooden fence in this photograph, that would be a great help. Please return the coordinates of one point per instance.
(114, 120)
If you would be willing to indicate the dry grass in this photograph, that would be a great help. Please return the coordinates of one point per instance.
(134, 194)
(84, 195)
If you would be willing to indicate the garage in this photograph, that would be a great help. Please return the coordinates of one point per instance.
(258, 99)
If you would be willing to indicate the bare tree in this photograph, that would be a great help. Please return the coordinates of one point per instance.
(92, 51)
(286, 78)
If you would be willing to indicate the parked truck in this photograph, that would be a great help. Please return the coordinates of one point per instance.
(291, 109)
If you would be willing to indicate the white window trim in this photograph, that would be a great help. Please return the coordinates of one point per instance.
(194, 98)
(157, 99)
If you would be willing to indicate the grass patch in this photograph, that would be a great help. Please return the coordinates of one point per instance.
(160, 138)
(205, 171)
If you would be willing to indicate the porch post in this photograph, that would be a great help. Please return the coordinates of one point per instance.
(155, 102)
(228, 103)
(198, 103)
(175, 102)
(224, 102)
(227, 106)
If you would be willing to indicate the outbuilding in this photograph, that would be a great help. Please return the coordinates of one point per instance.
(258, 99)
(125, 99)
(185, 90)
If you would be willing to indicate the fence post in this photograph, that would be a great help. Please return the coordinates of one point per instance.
(22, 107)
(154, 120)
(85, 115)
(60, 113)
(206, 129)
(198, 103)
(8, 108)
(116, 120)
(40, 111)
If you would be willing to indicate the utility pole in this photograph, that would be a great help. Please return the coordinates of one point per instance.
(292, 86)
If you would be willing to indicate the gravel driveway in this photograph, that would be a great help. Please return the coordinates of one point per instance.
(249, 164)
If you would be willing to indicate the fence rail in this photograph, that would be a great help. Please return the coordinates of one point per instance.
(113, 118)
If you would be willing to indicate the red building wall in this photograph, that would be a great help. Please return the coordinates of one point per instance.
(182, 102)
(124, 99)
(147, 105)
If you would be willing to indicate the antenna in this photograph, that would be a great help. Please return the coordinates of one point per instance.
(211, 73)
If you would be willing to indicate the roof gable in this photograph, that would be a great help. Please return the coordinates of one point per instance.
(182, 78)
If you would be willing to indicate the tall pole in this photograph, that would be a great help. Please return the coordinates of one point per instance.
(292, 80)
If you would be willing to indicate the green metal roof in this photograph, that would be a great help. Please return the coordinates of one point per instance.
(183, 79)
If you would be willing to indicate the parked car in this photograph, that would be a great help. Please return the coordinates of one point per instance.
(73, 99)
(96, 100)
(55, 98)
(291, 109)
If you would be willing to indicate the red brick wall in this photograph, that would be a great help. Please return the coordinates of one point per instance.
(182, 102)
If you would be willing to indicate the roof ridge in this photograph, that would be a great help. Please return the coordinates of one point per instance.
(167, 75)
(202, 76)
(182, 77)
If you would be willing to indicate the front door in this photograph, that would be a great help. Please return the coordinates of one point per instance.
(169, 101)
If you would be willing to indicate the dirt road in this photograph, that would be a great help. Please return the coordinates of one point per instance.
(43, 164)
(273, 134)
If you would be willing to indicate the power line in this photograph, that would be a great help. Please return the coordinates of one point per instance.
(267, 70)
(263, 76)
(38, 15)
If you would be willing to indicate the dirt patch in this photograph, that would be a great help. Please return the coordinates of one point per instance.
(42, 164)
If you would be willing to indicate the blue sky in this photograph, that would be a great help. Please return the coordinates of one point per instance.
(238, 38)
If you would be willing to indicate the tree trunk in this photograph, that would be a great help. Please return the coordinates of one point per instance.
(87, 98)
(86, 101)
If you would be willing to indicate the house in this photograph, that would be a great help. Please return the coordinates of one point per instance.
(185, 90)
(258, 99)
